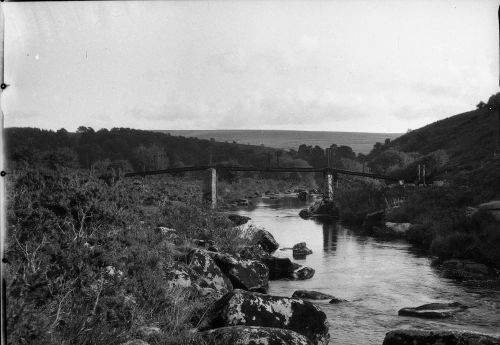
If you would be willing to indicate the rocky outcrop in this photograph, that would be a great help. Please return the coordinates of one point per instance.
(210, 275)
(421, 337)
(433, 310)
(237, 219)
(266, 240)
(300, 250)
(244, 335)
(320, 209)
(253, 309)
(279, 268)
(308, 294)
(303, 273)
(465, 268)
(178, 275)
(398, 228)
(249, 275)
(336, 300)
(253, 252)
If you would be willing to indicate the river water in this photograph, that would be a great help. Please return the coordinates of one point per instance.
(376, 277)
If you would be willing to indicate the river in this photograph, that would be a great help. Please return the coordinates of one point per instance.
(376, 277)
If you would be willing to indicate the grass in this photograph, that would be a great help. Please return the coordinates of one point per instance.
(86, 265)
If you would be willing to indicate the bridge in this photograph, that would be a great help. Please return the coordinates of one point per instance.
(210, 179)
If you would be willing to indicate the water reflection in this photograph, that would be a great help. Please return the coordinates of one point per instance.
(377, 277)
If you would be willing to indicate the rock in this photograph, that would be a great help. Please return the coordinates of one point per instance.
(324, 208)
(254, 252)
(466, 265)
(266, 240)
(400, 228)
(374, 219)
(336, 300)
(242, 202)
(135, 342)
(169, 234)
(148, 331)
(237, 219)
(203, 243)
(244, 335)
(421, 337)
(178, 275)
(279, 268)
(253, 309)
(433, 310)
(210, 274)
(305, 214)
(302, 195)
(303, 273)
(300, 250)
(308, 294)
(493, 207)
(244, 274)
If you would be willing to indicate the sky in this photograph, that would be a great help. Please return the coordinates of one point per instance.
(363, 66)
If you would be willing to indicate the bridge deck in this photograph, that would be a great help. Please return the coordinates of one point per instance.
(262, 169)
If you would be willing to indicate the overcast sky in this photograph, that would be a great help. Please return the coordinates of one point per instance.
(365, 66)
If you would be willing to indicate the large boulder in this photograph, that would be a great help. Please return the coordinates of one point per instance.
(465, 268)
(266, 240)
(210, 275)
(433, 310)
(244, 335)
(300, 250)
(398, 228)
(238, 219)
(279, 268)
(253, 309)
(309, 294)
(421, 337)
(253, 252)
(249, 275)
(303, 273)
(178, 275)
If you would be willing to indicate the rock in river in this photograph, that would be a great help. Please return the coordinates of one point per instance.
(421, 337)
(244, 335)
(244, 274)
(303, 273)
(266, 240)
(253, 309)
(433, 310)
(321, 209)
(238, 219)
(308, 294)
(279, 268)
(300, 250)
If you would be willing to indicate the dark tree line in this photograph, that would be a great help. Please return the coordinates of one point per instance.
(138, 150)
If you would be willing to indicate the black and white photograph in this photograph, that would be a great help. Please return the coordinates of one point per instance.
(250, 172)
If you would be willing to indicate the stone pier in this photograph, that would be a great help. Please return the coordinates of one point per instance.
(329, 180)
(209, 189)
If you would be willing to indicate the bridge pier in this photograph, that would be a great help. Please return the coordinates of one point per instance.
(329, 180)
(209, 188)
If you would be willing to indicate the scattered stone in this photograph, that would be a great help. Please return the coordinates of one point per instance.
(308, 294)
(244, 274)
(279, 268)
(422, 337)
(244, 335)
(203, 243)
(148, 331)
(178, 275)
(266, 240)
(135, 342)
(433, 310)
(253, 309)
(210, 274)
(374, 219)
(300, 250)
(237, 219)
(303, 273)
(400, 228)
(169, 234)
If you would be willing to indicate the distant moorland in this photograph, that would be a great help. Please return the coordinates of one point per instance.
(281, 139)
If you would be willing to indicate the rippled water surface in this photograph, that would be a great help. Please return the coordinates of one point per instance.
(376, 277)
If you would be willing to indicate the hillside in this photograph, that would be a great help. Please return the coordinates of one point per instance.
(462, 142)
(282, 139)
